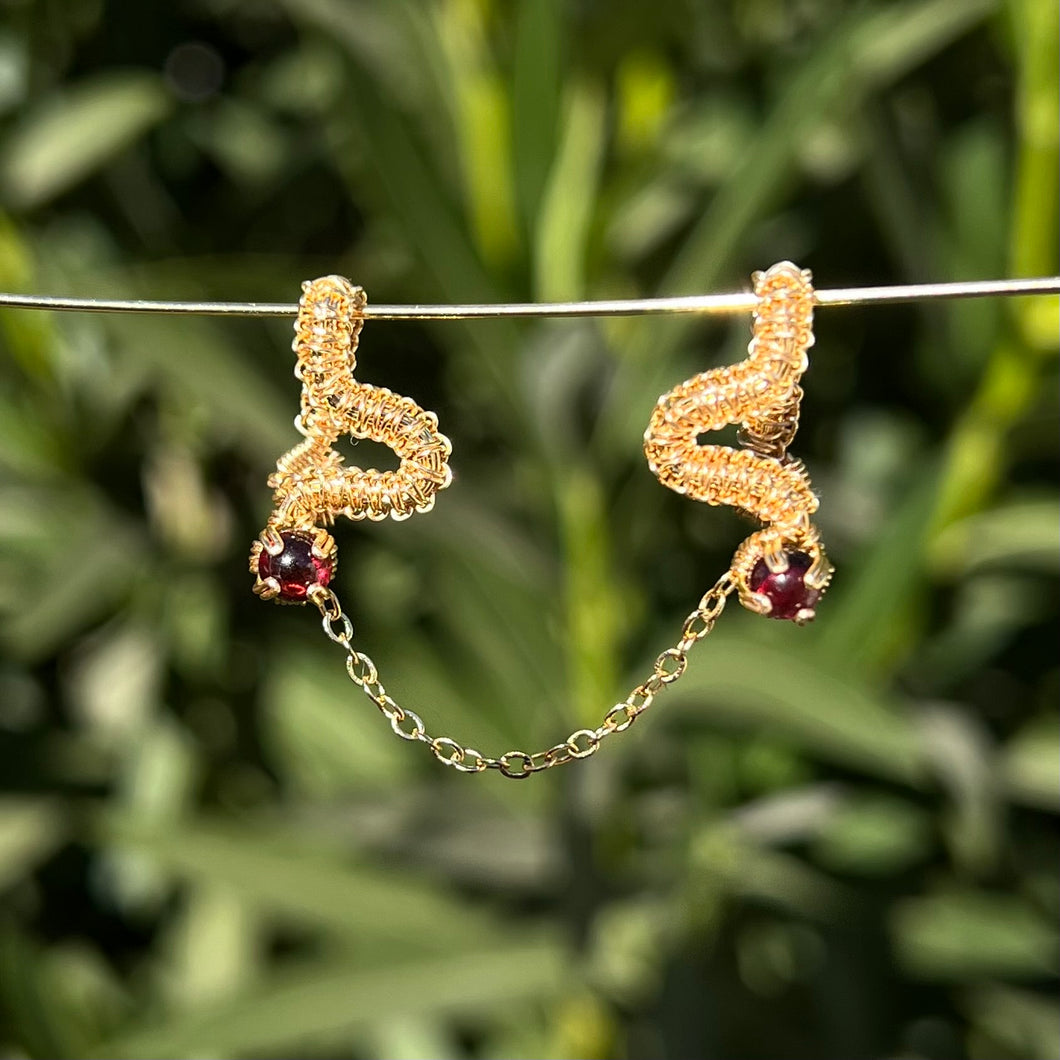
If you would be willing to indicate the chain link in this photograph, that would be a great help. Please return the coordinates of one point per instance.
(668, 668)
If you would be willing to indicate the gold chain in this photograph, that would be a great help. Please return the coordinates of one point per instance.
(582, 743)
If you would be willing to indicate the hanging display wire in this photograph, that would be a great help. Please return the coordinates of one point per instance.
(741, 302)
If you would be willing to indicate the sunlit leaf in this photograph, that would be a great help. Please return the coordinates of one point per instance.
(964, 934)
(873, 835)
(211, 949)
(1031, 763)
(326, 1004)
(567, 208)
(67, 137)
(275, 869)
(29, 831)
(1023, 534)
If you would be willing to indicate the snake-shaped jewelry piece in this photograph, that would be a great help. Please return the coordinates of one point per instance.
(295, 556)
(780, 570)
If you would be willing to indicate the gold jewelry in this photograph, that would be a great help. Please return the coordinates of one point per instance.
(295, 556)
(780, 570)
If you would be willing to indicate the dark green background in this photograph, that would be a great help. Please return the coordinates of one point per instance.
(837, 842)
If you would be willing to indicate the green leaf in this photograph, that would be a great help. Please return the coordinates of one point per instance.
(406, 173)
(963, 758)
(65, 138)
(482, 120)
(321, 733)
(245, 143)
(963, 935)
(1022, 534)
(14, 70)
(722, 861)
(404, 170)
(326, 1004)
(1030, 764)
(1033, 250)
(201, 367)
(30, 446)
(560, 249)
(211, 947)
(29, 830)
(46, 597)
(1024, 1022)
(863, 52)
(274, 869)
(39, 1014)
(868, 605)
(29, 338)
(594, 608)
(751, 684)
(873, 835)
(501, 613)
(537, 77)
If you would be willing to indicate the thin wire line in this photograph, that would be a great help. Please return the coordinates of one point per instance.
(710, 303)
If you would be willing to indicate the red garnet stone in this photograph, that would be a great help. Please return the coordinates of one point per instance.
(296, 568)
(787, 592)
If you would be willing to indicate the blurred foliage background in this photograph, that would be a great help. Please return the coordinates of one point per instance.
(835, 842)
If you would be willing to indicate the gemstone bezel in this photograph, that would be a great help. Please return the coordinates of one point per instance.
(290, 564)
(782, 588)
